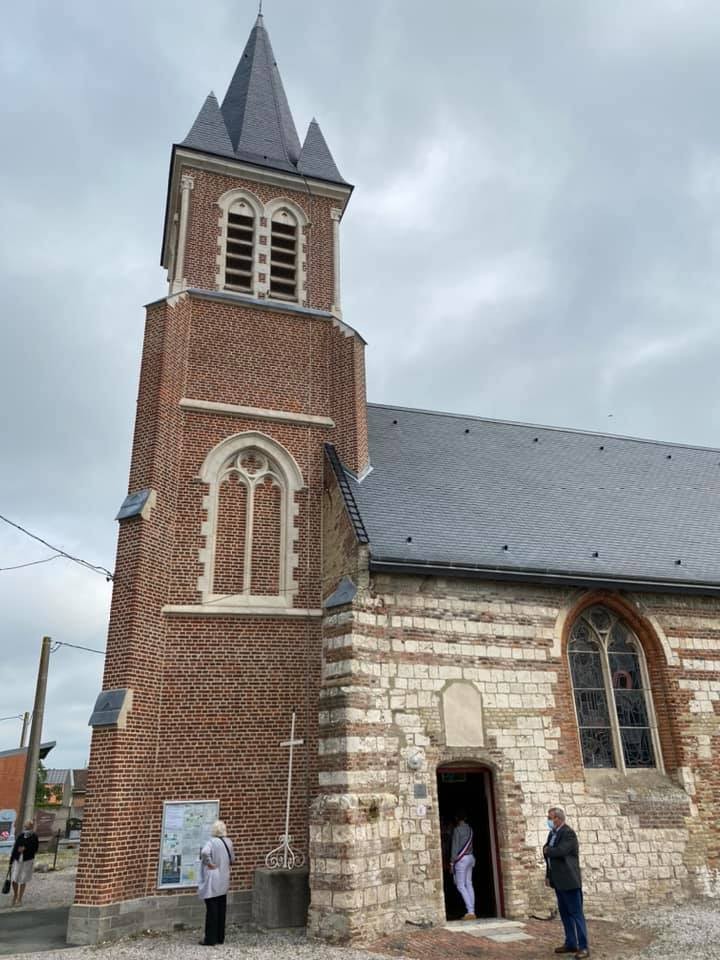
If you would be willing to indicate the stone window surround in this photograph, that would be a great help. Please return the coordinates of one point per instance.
(289, 477)
(263, 219)
(620, 768)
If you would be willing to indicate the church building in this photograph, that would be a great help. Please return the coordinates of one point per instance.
(460, 613)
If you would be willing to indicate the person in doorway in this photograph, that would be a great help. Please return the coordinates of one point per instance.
(562, 873)
(216, 858)
(462, 862)
(22, 861)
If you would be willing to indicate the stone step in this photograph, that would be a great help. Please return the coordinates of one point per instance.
(484, 924)
(495, 929)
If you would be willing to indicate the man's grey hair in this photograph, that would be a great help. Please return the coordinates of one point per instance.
(219, 829)
(559, 813)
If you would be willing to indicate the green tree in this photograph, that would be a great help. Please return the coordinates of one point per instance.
(42, 792)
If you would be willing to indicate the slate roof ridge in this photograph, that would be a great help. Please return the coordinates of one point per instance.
(541, 426)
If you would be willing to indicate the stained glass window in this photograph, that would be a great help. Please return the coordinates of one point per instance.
(611, 700)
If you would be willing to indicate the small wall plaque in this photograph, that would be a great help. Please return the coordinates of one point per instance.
(111, 709)
(420, 791)
(138, 504)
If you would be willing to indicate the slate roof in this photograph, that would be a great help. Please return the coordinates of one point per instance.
(209, 131)
(315, 158)
(255, 124)
(54, 776)
(45, 749)
(511, 498)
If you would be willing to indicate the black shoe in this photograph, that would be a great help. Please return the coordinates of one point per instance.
(565, 949)
(203, 943)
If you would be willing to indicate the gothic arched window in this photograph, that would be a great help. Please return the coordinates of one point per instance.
(240, 247)
(240, 220)
(284, 237)
(249, 557)
(612, 697)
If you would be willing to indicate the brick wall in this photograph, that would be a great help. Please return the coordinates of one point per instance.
(389, 659)
(213, 692)
(12, 772)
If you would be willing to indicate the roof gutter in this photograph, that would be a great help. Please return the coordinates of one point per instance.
(558, 578)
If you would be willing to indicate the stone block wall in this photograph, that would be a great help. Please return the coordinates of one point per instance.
(390, 661)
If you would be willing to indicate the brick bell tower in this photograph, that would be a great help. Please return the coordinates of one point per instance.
(215, 628)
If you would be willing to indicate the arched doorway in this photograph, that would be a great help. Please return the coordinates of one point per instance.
(470, 788)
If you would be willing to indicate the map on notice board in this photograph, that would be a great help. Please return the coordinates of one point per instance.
(185, 830)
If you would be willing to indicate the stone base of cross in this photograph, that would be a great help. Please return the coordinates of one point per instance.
(284, 857)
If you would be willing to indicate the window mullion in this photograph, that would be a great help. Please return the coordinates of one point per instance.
(249, 515)
(612, 708)
(650, 709)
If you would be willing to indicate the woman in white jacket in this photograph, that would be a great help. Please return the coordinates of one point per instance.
(216, 857)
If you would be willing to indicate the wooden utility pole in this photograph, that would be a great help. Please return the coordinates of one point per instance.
(27, 801)
(26, 720)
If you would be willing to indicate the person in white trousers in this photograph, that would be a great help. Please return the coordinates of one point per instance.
(462, 862)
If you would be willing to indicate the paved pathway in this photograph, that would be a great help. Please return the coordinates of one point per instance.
(33, 931)
(503, 940)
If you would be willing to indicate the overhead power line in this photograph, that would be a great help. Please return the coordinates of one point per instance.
(96, 568)
(33, 563)
(61, 643)
(18, 716)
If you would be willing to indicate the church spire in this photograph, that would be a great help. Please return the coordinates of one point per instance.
(254, 122)
(255, 108)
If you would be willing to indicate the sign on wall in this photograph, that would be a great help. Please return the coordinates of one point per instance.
(186, 826)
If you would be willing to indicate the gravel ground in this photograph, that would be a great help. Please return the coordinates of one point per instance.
(685, 932)
(689, 931)
(44, 890)
(184, 946)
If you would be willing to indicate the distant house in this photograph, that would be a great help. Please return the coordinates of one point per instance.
(12, 772)
(58, 784)
(64, 807)
(77, 808)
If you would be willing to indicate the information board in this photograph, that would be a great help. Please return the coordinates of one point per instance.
(186, 829)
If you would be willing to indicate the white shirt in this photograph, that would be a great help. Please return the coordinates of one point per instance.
(214, 883)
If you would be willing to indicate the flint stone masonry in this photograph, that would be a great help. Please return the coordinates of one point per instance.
(392, 661)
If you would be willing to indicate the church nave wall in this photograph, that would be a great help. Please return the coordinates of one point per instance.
(390, 661)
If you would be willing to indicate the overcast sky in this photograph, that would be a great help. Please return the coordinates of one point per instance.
(533, 236)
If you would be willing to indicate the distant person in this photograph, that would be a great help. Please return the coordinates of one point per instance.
(22, 860)
(462, 863)
(216, 858)
(561, 852)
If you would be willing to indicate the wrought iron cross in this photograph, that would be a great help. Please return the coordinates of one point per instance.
(284, 856)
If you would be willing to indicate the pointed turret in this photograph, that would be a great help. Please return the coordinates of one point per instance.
(315, 157)
(209, 131)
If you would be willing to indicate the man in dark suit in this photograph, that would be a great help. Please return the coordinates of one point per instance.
(563, 875)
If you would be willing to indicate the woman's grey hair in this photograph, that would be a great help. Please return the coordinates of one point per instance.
(219, 829)
(559, 813)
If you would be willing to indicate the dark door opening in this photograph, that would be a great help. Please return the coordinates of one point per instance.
(470, 789)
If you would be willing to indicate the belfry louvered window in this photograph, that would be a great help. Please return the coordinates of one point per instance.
(612, 699)
(240, 247)
(284, 256)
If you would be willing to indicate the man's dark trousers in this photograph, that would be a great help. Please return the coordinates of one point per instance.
(570, 904)
(215, 908)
